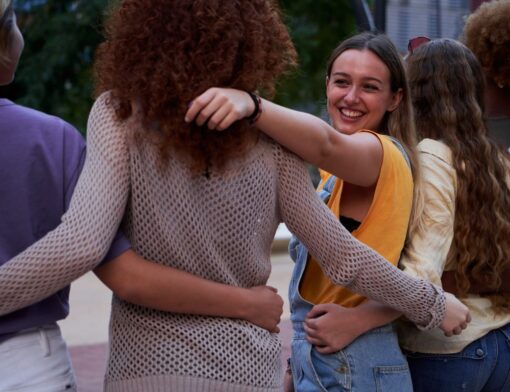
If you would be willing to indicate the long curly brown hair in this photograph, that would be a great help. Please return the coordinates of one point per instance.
(487, 34)
(161, 54)
(447, 88)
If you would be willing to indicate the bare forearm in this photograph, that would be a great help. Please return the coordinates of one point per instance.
(374, 314)
(355, 158)
(145, 283)
(307, 136)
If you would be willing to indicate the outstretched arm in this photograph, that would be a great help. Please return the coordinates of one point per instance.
(355, 158)
(145, 283)
(350, 263)
(345, 260)
(79, 243)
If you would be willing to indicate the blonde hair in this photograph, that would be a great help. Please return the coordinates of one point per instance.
(4, 4)
(6, 14)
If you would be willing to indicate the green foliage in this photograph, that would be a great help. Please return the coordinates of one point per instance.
(61, 36)
(55, 73)
(317, 27)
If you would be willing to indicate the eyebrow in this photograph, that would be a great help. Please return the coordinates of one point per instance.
(368, 78)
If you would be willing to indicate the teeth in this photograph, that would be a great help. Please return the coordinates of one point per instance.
(351, 113)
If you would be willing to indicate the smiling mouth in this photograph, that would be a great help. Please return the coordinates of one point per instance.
(353, 114)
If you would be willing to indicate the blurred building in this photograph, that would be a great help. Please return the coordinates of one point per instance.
(404, 19)
(431, 18)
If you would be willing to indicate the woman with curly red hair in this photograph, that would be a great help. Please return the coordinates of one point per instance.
(205, 203)
(41, 158)
(487, 34)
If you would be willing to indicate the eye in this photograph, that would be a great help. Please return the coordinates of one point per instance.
(371, 87)
(341, 82)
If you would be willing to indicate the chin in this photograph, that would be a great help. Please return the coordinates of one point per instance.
(5, 81)
(347, 130)
(6, 78)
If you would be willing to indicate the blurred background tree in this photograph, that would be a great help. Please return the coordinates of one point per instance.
(55, 71)
(317, 27)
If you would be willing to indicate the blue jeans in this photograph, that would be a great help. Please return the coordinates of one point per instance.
(36, 360)
(483, 366)
(372, 363)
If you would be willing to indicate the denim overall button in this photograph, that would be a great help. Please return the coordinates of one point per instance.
(479, 352)
(342, 369)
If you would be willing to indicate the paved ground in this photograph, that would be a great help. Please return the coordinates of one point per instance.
(86, 329)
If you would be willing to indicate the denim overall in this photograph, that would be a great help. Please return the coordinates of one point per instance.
(373, 362)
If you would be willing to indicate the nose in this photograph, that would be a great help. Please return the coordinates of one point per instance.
(352, 96)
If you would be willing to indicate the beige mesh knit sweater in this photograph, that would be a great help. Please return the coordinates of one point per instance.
(219, 228)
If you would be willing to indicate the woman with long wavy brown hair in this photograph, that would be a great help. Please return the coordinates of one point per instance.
(466, 222)
(205, 203)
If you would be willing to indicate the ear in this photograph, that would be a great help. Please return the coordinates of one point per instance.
(396, 99)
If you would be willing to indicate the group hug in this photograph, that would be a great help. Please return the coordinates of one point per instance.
(401, 279)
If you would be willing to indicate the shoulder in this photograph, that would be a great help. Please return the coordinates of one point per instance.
(393, 147)
(36, 118)
(103, 125)
(394, 155)
(430, 149)
(104, 106)
(437, 164)
(372, 140)
(35, 126)
(281, 154)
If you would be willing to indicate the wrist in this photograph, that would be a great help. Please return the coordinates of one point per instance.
(244, 303)
(257, 111)
(362, 320)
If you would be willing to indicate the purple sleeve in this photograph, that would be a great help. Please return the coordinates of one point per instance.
(119, 245)
(74, 159)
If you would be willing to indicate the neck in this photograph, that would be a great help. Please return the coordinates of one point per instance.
(497, 100)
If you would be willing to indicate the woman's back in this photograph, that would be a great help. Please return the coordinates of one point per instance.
(219, 227)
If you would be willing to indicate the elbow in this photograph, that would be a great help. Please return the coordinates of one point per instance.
(122, 281)
(95, 256)
(127, 292)
(328, 148)
(96, 250)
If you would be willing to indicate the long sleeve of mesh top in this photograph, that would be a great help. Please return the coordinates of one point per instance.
(344, 259)
(83, 238)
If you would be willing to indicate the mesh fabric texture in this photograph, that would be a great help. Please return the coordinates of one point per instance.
(219, 228)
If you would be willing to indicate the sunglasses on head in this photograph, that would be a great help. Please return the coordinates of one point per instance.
(416, 42)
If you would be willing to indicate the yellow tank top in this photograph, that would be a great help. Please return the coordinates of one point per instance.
(383, 229)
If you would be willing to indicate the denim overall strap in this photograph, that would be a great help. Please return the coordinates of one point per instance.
(401, 149)
(299, 307)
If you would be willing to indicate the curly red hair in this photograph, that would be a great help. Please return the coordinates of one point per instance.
(164, 53)
(487, 34)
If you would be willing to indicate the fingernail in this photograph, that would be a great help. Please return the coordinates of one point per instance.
(186, 119)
